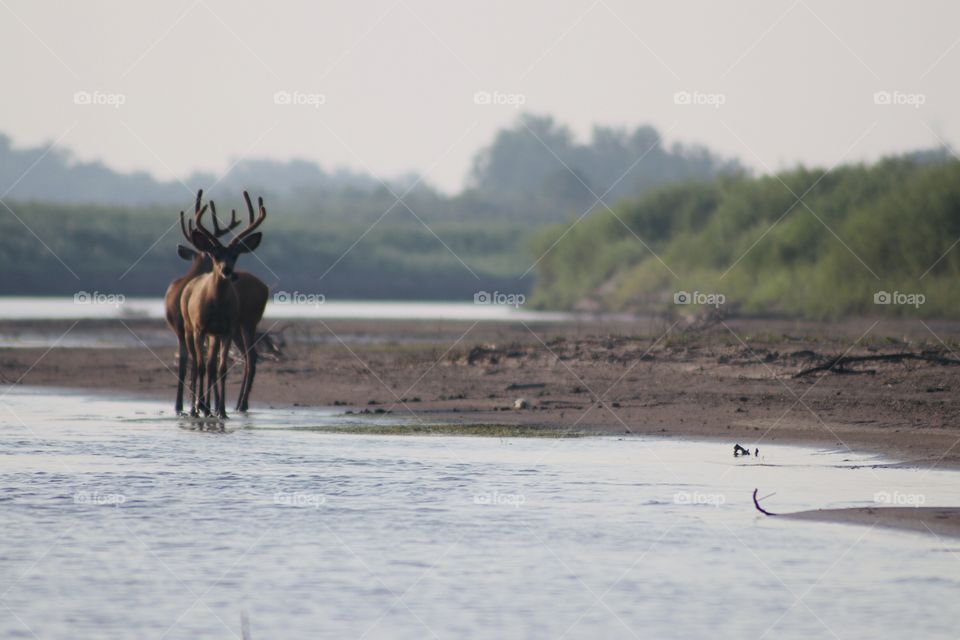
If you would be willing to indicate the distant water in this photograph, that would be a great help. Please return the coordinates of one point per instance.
(67, 308)
(120, 521)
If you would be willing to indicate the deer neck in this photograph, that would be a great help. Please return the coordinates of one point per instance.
(222, 287)
(198, 267)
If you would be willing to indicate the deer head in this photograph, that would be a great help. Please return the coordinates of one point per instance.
(224, 258)
(186, 226)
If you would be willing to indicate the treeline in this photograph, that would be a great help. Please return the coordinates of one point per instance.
(806, 243)
(63, 249)
(538, 172)
(117, 232)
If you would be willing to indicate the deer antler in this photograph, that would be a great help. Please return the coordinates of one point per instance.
(199, 225)
(219, 231)
(254, 222)
(187, 227)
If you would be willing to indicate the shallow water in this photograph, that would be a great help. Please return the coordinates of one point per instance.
(25, 336)
(120, 521)
(103, 306)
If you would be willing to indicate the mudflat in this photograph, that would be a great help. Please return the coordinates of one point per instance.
(939, 521)
(730, 379)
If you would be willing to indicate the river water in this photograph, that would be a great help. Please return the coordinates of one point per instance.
(95, 305)
(122, 521)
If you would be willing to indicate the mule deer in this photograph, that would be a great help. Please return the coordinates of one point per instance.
(253, 294)
(210, 306)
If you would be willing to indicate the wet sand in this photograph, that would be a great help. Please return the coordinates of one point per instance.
(732, 381)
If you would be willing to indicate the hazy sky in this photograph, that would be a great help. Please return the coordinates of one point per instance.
(397, 78)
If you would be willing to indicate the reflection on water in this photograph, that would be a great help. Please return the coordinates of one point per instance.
(121, 521)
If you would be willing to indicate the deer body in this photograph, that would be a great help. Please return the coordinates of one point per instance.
(210, 307)
(252, 296)
(171, 301)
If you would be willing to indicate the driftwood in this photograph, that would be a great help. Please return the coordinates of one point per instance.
(756, 503)
(839, 364)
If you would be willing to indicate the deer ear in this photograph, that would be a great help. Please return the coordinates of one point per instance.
(186, 253)
(250, 243)
(201, 241)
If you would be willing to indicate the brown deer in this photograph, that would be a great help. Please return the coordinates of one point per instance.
(210, 306)
(253, 295)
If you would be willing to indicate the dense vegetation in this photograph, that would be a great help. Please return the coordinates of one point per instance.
(859, 230)
(100, 222)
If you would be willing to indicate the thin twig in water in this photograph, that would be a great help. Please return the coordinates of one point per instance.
(756, 503)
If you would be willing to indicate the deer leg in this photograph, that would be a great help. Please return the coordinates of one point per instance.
(238, 341)
(213, 391)
(181, 372)
(249, 368)
(222, 377)
(192, 347)
(213, 400)
(201, 365)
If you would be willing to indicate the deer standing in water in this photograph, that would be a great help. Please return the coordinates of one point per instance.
(253, 294)
(210, 305)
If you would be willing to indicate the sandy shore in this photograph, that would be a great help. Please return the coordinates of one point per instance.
(732, 381)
